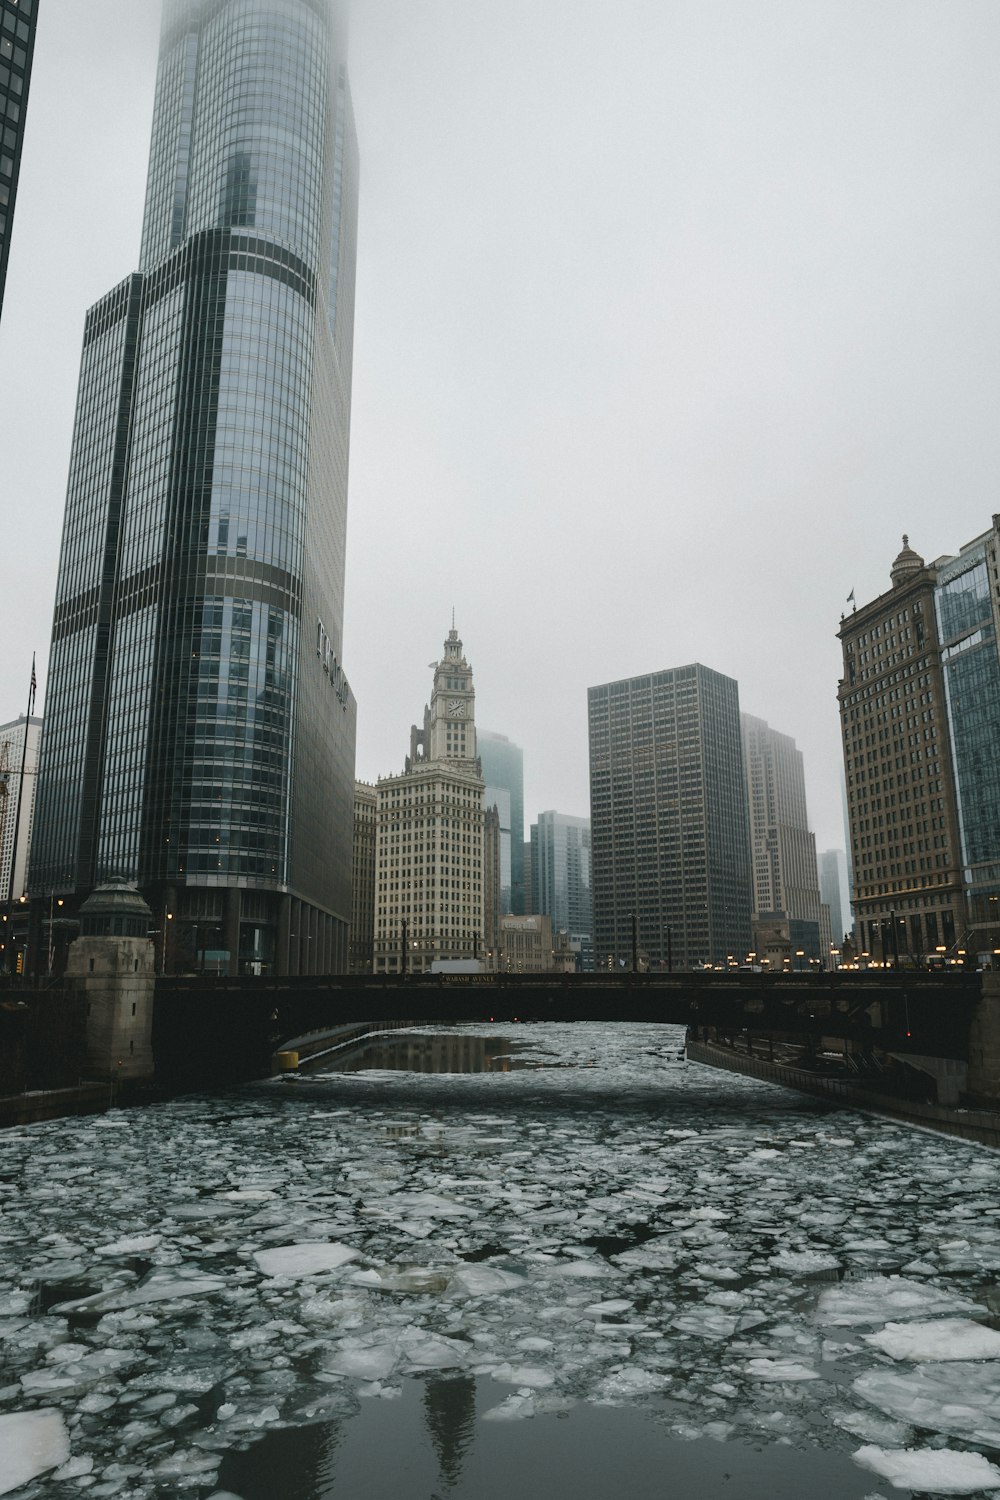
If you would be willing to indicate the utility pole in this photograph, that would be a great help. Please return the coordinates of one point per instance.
(635, 944)
(406, 945)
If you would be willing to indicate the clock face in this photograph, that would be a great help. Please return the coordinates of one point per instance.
(456, 708)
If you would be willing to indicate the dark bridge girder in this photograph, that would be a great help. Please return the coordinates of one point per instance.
(211, 1031)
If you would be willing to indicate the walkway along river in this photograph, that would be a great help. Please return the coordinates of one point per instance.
(574, 1265)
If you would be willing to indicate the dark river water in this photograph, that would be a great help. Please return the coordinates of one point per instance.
(540, 1262)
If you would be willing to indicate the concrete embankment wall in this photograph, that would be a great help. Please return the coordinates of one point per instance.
(982, 1126)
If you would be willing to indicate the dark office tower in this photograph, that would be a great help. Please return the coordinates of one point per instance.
(200, 729)
(17, 44)
(669, 829)
(503, 772)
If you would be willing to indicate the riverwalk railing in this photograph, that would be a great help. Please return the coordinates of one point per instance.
(982, 1126)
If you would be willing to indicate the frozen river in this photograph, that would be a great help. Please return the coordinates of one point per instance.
(582, 1269)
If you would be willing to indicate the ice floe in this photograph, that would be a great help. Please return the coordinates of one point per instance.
(873, 1300)
(310, 1259)
(939, 1469)
(31, 1443)
(944, 1338)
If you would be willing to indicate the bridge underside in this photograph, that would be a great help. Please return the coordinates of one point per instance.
(214, 1031)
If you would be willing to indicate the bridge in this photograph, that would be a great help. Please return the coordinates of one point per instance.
(209, 1031)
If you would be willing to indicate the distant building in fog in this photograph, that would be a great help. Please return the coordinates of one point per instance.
(833, 891)
(503, 772)
(783, 851)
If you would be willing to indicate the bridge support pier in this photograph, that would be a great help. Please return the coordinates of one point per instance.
(984, 1044)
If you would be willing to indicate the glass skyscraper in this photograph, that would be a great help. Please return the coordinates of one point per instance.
(560, 878)
(966, 615)
(200, 728)
(18, 19)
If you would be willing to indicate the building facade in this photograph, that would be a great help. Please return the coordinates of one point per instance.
(531, 944)
(561, 872)
(430, 867)
(200, 726)
(908, 891)
(18, 20)
(363, 879)
(669, 828)
(782, 849)
(503, 773)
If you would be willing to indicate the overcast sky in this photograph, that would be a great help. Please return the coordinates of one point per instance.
(672, 316)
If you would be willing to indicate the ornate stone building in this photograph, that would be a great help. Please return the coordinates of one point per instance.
(905, 837)
(429, 903)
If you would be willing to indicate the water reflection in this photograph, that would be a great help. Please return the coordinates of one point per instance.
(405, 1052)
(429, 1445)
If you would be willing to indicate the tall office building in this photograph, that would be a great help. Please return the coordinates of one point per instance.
(503, 772)
(782, 850)
(561, 874)
(200, 728)
(905, 846)
(670, 836)
(430, 864)
(18, 19)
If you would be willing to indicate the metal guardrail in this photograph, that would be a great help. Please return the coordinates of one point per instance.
(980, 1126)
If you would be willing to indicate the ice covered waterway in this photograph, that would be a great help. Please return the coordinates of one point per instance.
(611, 1272)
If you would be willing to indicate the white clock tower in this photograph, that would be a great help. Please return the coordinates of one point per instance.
(430, 822)
(451, 728)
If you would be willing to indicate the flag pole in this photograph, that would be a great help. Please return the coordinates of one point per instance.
(20, 789)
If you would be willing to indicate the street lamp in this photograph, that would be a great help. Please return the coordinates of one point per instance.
(800, 954)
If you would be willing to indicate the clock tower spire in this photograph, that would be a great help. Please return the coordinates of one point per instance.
(451, 729)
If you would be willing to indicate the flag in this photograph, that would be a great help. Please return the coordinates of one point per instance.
(850, 596)
(34, 679)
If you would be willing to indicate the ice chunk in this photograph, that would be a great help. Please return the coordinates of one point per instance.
(804, 1261)
(584, 1270)
(159, 1286)
(944, 1338)
(308, 1259)
(136, 1244)
(535, 1377)
(706, 1323)
(939, 1469)
(869, 1301)
(77, 1468)
(873, 1428)
(780, 1369)
(514, 1409)
(960, 1399)
(31, 1443)
(484, 1281)
(376, 1355)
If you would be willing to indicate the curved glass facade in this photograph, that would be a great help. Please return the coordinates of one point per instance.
(207, 512)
